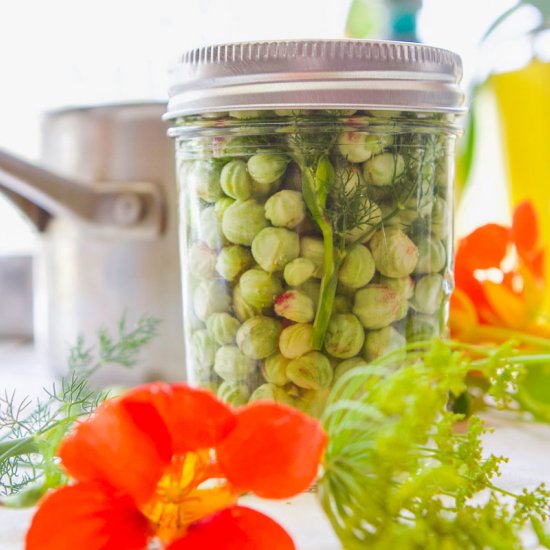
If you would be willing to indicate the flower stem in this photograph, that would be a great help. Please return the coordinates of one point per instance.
(499, 334)
(17, 447)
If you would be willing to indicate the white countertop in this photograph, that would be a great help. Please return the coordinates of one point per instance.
(527, 445)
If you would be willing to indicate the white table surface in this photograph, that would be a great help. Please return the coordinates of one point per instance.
(526, 445)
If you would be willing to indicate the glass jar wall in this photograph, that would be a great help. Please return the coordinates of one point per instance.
(314, 241)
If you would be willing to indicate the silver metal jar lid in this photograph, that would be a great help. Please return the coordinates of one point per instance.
(316, 74)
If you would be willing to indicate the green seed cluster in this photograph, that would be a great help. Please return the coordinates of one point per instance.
(255, 257)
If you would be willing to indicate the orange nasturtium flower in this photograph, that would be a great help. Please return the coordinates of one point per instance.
(499, 281)
(166, 464)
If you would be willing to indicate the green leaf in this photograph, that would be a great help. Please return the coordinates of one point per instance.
(324, 179)
(542, 536)
(534, 391)
(500, 19)
(26, 498)
(542, 5)
(466, 149)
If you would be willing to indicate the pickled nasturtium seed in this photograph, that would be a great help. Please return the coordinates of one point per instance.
(428, 294)
(313, 249)
(245, 115)
(223, 328)
(360, 146)
(358, 267)
(242, 221)
(274, 369)
(234, 393)
(274, 247)
(222, 205)
(345, 336)
(267, 167)
(210, 231)
(232, 261)
(243, 310)
(384, 169)
(285, 209)
(395, 255)
(295, 306)
(380, 342)
(347, 365)
(377, 306)
(421, 327)
(296, 340)
(204, 348)
(313, 402)
(431, 256)
(311, 371)
(258, 337)
(232, 365)
(298, 271)
(259, 289)
(202, 261)
(204, 179)
(211, 297)
(440, 219)
(404, 286)
(236, 181)
(271, 392)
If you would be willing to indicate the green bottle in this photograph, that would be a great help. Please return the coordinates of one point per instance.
(387, 19)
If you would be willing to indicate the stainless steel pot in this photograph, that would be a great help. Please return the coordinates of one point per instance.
(104, 201)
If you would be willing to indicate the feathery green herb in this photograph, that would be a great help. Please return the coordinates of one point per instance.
(397, 472)
(30, 433)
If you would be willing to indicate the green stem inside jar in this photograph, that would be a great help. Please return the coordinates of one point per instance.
(315, 189)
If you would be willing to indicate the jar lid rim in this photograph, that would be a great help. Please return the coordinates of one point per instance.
(344, 73)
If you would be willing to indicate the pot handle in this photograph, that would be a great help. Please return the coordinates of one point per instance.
(134, 209)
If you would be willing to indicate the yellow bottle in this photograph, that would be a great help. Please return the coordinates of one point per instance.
(523, 99)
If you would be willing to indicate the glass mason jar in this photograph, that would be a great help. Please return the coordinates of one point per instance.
(316, 215)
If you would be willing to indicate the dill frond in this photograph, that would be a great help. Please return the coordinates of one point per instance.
(396, 472)
(30, 433)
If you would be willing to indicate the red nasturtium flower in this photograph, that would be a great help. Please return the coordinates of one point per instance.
(499, 280)
(168, 463)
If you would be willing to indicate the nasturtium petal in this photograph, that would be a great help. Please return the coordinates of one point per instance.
(467, 283)
(463, 318)
(123, 444)
(90, 516)
(510, 307)
(195, 418)
(274, 450)
(537, 264)
(484, 248)
(198, 419)
(525, 231)
(237, 528)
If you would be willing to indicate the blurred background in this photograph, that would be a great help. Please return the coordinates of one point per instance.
(62, 54)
